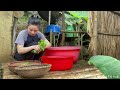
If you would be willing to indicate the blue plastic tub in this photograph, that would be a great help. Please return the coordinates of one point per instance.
(54, 28)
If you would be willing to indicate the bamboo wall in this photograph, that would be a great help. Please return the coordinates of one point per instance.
(105, 33)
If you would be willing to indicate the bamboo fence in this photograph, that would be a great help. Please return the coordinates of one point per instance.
(104, 30)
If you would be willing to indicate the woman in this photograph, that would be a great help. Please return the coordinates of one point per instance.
(27, 40)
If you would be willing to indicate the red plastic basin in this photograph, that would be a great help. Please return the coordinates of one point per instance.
(58, 63)
(64, 51)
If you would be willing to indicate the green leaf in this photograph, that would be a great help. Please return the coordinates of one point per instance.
(34, 51)
(79, 14)
(74, 17)
(42, 45)
(109, 66)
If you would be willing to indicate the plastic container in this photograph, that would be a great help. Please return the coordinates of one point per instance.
(54, 28)
(58, 63)
(69, 29)
(63, 51)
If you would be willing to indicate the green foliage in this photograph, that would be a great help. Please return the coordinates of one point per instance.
(77, 17)
(24, 18)
(79, 14)
(70, 20)
(42, 45)
(34, 51)
(109, 66)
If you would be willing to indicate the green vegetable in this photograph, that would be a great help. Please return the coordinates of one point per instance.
(34, 51)
(42, 45)
(109, 66)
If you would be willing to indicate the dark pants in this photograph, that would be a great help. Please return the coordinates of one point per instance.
(29, 55)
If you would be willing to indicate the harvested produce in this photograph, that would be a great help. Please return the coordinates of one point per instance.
(42, 45)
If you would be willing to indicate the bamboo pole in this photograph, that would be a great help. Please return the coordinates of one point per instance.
(78, 29)
(14, 35)
(79, 39)
(49, 18)
(95, 33)
(73, 31)
(63, 27)
(51, 35)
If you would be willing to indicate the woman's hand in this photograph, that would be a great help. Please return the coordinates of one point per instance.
(37, 48)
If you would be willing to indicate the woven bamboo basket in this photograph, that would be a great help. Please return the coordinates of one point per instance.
(33, 71)
(14, 64)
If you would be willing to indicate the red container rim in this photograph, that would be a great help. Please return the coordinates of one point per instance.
(61, 57)
(64, 48)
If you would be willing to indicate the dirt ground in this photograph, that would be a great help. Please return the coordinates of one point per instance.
(80, 70)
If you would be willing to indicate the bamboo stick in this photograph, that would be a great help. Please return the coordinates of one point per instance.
(51, 35)
(95, 33)
(49, 18)
(14, 35)
(80, 32)
(63, 27)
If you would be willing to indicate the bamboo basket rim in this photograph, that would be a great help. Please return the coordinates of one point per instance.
(32, 67)
(11, 64)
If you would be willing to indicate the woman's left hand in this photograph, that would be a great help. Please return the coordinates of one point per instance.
(38, 51)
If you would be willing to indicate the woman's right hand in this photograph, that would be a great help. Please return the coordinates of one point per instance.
(37, 48)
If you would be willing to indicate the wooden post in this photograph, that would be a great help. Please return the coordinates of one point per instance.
(54, 38)
(14, 34)
(1, 71)
(49, 17)
(80, 39)
(42, 27)
(78, 29)
(51, 34)
(63, 28)
(95, 33)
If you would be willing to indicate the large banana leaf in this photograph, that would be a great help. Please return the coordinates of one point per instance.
(79, 14)
(109, 66)
(70, 20)
(77, 17)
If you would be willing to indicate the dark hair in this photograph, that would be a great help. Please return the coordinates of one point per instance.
(34, 20)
